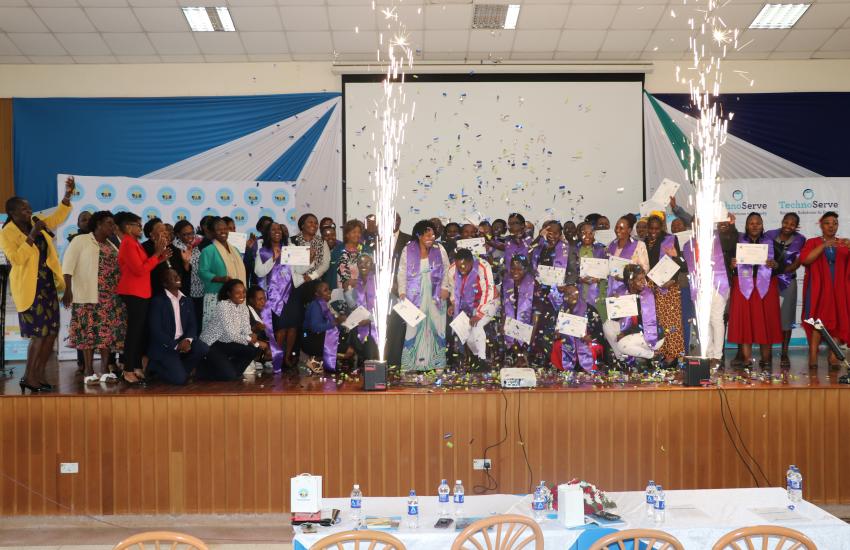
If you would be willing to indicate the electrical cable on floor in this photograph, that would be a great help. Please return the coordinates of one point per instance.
(522, 444)
(732, 440)
(484, 489)
(725, 397)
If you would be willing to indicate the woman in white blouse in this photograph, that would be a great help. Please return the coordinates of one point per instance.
(233, 346)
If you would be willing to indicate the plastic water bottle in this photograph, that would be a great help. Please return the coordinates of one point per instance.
(458, 499)
(660, 505)
(443, 498)
(547, 495)
(538, 505)
(356, 503)
(650, 498)
(412, 510)
(794, 484)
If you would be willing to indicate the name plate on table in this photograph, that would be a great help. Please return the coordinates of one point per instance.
(621, 306)
(518, 330)
(551, 276)
(683, 237)
(408, 311)
(237, 240)
(616, 265)
(572, 325)
(476, 245)
(663, 271)
(604, 236)
(667, 189)
(295, 255)
(461, 327)
(305, 493)
(751, 254)
(596, 268)
(354, 318)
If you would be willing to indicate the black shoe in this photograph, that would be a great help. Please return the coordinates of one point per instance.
(25, 387)
(47, 387)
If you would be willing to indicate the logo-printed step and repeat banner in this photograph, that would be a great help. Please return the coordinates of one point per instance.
(810, 198)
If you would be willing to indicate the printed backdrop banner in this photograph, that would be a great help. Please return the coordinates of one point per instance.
(810, 198)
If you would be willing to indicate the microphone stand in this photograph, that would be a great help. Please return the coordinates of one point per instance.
(833, 346)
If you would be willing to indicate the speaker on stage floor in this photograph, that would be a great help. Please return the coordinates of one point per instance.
(374, 375)
(696, 370)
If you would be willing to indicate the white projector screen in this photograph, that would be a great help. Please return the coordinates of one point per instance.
(481, 147)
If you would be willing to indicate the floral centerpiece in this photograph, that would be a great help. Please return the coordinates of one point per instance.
(595, 499)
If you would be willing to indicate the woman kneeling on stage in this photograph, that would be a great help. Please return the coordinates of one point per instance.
(635, 337)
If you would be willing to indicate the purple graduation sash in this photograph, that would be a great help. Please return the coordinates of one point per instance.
(791, 255)
(278, 286)
(435, 260)
(365, 295)
(718, 267)
(615, 287)
(649, 321)
(592, 289)
(521, 311)
(468, 295)
(763, 273)
(560, 259)
(573, 348)
(512, 248)
(331, 338)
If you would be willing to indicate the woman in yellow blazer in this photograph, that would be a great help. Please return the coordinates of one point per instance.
(36, 280)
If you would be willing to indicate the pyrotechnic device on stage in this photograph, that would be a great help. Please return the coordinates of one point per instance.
(518, 378)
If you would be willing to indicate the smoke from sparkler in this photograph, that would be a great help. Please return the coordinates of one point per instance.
(393, 114)
(710, 38)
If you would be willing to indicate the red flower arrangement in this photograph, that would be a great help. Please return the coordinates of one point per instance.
(595, 500)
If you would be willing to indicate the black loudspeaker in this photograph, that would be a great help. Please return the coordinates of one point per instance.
(696, 370)
(374, 375)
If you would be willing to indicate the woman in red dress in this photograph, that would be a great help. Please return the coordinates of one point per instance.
(754, 315)
(825, 286)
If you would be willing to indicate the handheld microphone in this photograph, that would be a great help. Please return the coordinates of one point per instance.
(49, 232)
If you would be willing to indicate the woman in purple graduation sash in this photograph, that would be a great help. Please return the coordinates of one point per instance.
(624, 246)
(422, 280)
(517, 300)
(593, 291)
(787, 244)
(549, 250)
(668, 297)
(635, 337)
(517, 242)
(360, 292)
(575, 351)
(281, 315)
(754, 316)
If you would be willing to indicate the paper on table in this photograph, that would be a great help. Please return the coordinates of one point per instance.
(596, 268)
(616, 265)
(460, 326)
(476, 245)
(663, 271)
(354, 318)
(621, 306)
(237, 240)
(572, 325)
(337, 295)
(666, 190)
(778, 514)
(518, 330)
(650, 206)
(295, 255)
(551, 276)
(683, 237)
(604, 236)
(408, 311)
(751, 254)
(687, 512)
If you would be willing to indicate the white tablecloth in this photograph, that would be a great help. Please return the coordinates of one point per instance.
(697, 518)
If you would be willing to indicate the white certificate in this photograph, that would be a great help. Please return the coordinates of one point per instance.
(622, 306)
(751, 254)
(237, 240)
(666, 190)
(518, 330)
(604, 236)
(295, 255)
(354, 318)
(572, 325)
(594, 267)
(337, 295)
(683, 237)
(663, 271)
(720, 213)
(650, 206)
(408, 311)
(476, 245)
(616, 265)
(460, 326)
(551, 276)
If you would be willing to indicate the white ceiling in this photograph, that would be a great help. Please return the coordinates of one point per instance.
(154, 31)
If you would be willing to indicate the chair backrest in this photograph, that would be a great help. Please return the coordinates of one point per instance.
(359, 540)
(161, 540)
(761, 536)
(507, 532)
(650, 539)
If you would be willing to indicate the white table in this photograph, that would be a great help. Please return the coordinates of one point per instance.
(697, 518)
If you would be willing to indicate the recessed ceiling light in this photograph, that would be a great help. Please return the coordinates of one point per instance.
(779, 16)
(513, 15)
(495, 16)
(209, 19)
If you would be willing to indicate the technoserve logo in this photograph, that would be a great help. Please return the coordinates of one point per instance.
(740, 204)
(809, 202)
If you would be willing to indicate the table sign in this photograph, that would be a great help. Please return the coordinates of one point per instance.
(572, 325)
(295, 255)
(751, 254)
(621, 306)
(305, 494)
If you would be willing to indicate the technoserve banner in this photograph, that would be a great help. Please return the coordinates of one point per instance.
(810, 198)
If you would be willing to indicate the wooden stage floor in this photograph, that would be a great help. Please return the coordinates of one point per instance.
(210, 448)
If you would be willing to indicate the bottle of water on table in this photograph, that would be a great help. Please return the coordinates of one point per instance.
(660, 505)
(443, 498)
(356, 503)
(458, 499)
(412, 510)
(538, 505)
(650, 499)
(794, 484)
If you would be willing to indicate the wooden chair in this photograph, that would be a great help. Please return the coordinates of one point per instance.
(508, 531)
(365, 540)
(161, 540)
(760, 536)
(650, 539)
